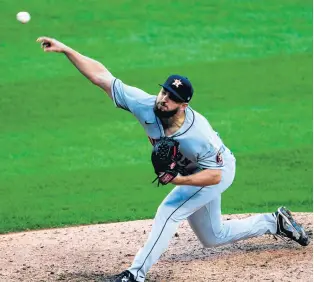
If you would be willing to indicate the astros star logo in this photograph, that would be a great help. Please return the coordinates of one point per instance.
(177, 83)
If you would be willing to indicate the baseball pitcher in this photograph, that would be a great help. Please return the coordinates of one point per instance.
(187, 152)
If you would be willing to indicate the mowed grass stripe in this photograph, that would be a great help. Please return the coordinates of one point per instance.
(129, 36)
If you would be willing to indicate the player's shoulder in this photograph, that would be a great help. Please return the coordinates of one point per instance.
(144, 107)
(147, 100)
(198, 119)
(138, 94)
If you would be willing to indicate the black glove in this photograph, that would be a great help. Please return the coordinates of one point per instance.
(164, 159)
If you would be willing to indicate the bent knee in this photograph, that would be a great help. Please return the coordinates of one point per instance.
(210, 243)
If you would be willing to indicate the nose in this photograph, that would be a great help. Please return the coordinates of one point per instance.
(165, 98)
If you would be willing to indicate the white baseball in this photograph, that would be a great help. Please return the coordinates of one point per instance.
(23, 17)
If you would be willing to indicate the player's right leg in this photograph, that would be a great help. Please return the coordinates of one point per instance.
(212, 231)
(208, 226)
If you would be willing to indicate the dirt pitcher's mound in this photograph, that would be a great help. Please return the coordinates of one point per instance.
(97, 252)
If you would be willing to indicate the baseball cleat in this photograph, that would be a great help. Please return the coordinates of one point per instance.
(288, 227)
(125, 276)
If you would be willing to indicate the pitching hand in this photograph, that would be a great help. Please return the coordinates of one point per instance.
(51, 45)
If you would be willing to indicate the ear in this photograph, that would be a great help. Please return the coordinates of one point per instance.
(183, 106)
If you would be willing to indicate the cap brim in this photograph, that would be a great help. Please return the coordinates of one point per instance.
(172, 91)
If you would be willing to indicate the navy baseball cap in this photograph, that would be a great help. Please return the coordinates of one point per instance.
(180, 87)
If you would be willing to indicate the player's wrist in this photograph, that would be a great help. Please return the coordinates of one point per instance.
(67, 50)
(179, 180)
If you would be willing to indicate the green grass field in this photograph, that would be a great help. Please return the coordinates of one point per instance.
(68, 156)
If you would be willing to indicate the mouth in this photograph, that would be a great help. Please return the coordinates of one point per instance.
(162, 106)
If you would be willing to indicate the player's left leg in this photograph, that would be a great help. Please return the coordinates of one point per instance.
(181, 202)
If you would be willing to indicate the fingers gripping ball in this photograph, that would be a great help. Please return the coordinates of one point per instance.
(45, 44)
(164, 158)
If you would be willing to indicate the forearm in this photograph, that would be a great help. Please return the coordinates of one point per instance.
(91, 69)
(206, 177)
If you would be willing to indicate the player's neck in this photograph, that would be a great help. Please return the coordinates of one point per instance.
(171, 125)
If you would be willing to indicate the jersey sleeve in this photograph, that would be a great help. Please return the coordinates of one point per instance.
(127, 97)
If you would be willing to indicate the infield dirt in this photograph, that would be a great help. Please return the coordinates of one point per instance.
(98, 252)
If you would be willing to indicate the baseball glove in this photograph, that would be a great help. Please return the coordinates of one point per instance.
(165, 156)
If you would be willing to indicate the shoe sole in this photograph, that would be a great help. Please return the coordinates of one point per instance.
(298, 229)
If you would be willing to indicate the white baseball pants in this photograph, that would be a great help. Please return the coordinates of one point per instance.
(202, 207)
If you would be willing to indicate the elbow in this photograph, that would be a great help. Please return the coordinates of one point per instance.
(96, 79)
(102, 80)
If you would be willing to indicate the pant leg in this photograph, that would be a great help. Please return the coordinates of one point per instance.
(180, 203)
(212, 231)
